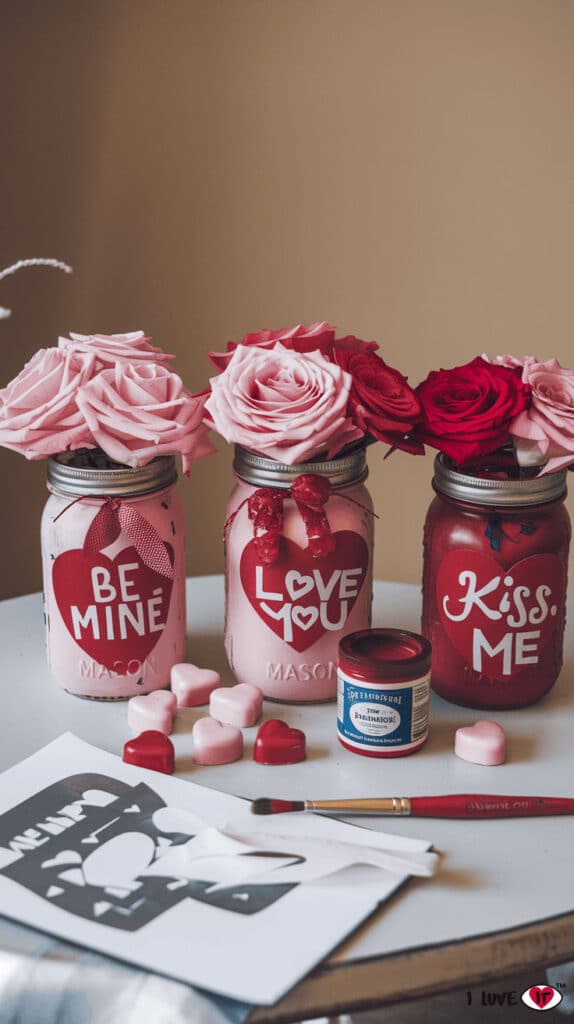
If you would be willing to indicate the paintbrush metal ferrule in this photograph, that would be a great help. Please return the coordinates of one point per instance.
(398, 806)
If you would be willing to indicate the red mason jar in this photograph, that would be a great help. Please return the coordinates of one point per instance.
(494, 583)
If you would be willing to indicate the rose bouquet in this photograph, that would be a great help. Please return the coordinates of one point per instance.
(471, 411)
(301, 393)
(113, 393)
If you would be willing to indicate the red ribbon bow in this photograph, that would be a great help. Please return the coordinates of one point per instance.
(310, 493)
(116, 516)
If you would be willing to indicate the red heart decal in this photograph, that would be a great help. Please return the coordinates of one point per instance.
(115, 609)
(151, 749)
(500, 619)
(277, 743)
(541, 995)
(328, 586)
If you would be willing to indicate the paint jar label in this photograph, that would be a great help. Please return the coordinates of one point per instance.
(374, 718)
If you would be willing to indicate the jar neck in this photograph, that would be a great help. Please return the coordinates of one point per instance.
(69, 476)
(508, 511)
(346, 470)
(492, 489)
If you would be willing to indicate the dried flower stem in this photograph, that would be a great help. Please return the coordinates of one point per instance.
(21, 264)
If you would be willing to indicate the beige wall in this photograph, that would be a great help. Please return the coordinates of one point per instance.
(403, 169)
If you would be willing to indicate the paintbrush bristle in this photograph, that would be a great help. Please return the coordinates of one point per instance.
(266, 806)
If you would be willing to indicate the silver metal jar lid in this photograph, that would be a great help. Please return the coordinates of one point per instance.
(346, 469)
(480, 488)
(67, 475)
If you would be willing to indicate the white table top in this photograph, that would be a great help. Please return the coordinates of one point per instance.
(496, 875)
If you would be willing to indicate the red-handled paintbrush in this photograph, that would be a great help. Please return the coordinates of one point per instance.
(454, 805)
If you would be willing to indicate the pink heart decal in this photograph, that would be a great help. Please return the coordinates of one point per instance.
(115, 609)
(336, 582)
(304, 618)
(500, 620)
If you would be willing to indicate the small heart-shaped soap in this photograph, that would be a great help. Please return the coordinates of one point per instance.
(152, 711)
(239, 705)
(277, 743)
(481, 743)
(193, 685)
(214, 743)
(152, 749)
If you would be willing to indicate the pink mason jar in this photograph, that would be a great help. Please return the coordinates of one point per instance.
(298, 578)
(114, 576)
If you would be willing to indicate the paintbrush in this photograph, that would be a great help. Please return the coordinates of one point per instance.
(454, 805)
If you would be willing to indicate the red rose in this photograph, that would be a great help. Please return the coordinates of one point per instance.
(381, 401)
(467, 410)
(318, 336)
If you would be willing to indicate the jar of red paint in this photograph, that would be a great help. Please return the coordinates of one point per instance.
(494, 583)
(383, 692)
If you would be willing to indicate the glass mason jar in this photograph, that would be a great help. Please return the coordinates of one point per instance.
(286, 612)
(494, 584)
(114, 576)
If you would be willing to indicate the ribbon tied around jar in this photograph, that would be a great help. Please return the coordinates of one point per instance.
(116, 516)
(310, 492)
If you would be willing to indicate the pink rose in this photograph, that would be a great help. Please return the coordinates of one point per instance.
(112, 348)
(289, 406)
(319, 335)
(39, 415)
(544, 433)
(511, 362)
(140, 410)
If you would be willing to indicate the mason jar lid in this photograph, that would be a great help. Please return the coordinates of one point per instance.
(346, 469)
(67, 476)
(490, 485)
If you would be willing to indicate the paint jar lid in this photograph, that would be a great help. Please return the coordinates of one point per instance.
(384, 655)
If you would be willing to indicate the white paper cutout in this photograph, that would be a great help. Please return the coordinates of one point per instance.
(291, 926)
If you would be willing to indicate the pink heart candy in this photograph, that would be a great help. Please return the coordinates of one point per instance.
(239, 705)
(214, 743)
(193, 685)
(152, 711)
(481, 743)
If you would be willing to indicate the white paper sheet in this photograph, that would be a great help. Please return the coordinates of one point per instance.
(82, 836)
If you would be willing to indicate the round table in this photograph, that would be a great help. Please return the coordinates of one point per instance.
(503, 900)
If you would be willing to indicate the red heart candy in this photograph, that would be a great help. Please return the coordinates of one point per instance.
(277, 743)
(151, 749)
